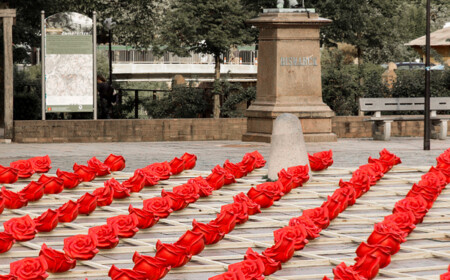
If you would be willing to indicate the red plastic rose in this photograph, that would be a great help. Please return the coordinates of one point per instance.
(47, 221)
(389, 158)
(373, 170)
(126, 274)
(145, 218)
(259, 159)
(388, 235)
(8, 175)
(312, 231)
(68, 212)
(229, 177)
(417, 205)
(248, 163)
(429, 197)
(85, 172)
(239, 209)
(87, 204)
(51, 185)
(126, 225)
(115, 163)
(367, 266)
(174, 255)
(41, 164)
(204, 188)
(283, 250)
(101, 169)
(433, 179)
(160, 206)
(176, 166)
(344, 272)
(81, 246)
(2, 204)
(333, 205)
(29, 268)
(162, 169)
(445, 276)
(154, 268)
(25, 170)
(403, 220)
(6, 242)
(226, 220)
(321, 160)
(217, 178)
(360, 181)
(120, 191)
(189, 160)
(194, 242)
(190, 192)
(237, 170)
(265, 194)
(57, 261)
(270, 266)
(106, 236)
(105, 196)
(346, 196)
(21, 229)
(253, 208)
(229, 275)
(251, 268)
(33, 191)
(13, 200)
(71, 180)
(211, 232)
(135, 183)
(176, 201)
(300, 174)
(382, 252)
(8, 277)
(150, 178)
(319, 216)
(287, 180)
(296, 233)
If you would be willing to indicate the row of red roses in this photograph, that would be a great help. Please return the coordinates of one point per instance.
(388, 235)
(193, 241)
(308, 226)
(35, 190)
(321, 160)
(56, 261)
(107, 236)
(24, 168)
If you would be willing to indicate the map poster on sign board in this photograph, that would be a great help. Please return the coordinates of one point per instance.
(69, 65)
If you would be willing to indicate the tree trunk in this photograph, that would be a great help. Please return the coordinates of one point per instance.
(216, 109)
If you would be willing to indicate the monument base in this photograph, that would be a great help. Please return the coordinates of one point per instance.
(316, 120)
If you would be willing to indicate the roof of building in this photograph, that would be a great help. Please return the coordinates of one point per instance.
(440, 37)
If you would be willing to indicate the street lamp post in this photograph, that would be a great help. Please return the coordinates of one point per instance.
(109, 25)
(427, 123)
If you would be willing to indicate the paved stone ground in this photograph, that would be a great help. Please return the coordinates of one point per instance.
(347, 152)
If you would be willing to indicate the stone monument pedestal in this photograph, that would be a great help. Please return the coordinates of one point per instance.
(289, 75)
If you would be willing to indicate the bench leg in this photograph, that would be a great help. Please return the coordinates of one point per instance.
(442, 130)
(381, 130)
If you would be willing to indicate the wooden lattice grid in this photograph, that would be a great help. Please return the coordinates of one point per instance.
(425, 255)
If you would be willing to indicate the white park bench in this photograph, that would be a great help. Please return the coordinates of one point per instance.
(381, 128)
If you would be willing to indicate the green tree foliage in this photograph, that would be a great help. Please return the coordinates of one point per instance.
(205, 26)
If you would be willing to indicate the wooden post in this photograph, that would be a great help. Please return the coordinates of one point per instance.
(8, 18)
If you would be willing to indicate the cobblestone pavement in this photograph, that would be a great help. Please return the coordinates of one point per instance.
(347, 152)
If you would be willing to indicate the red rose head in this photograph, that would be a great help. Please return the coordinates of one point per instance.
(189, 161)
(150, 177)
(312, 231)
(6, 242)
(190, 192)
(225, 220)
(85, 172)
(174, 255)
(33, 191)
(154, 268)
(342, 271)
(120, 191)
(376, 250)
(296, 233)
(177, 202)
(251, 268)
(115, 163)
(126, 274)
(259, 159)
(160, 206)
(87, 204)
(41, 164)
(47, 221)
(319, 216)
(24, 167)
(194, 242)
(211, 232)
(270, 266)
(253, 208)
(29, 268)
(145, 218)
(68, 212)
(21, 229)
(57, 261)
(126, 225)
(13, 200)
(300, 174)
(176, 166)
(240, 210)
(52, 185)
(101, 169)
(217, 178)
(81, 247)
(8, 175)
(71, 180)
(204, 188)
(237, 170)
(389, 158)
(283, 250)
(162, 169)
(106, 235)
(367, 266)
(135, 183)
(105, 195)
(230, 275)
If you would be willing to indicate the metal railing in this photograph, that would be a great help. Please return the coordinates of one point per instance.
(137, 100)
(146, 56)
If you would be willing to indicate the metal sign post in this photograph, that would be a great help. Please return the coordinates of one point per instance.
(427, 122)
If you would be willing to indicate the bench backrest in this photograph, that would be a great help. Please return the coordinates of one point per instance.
(403, 104)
